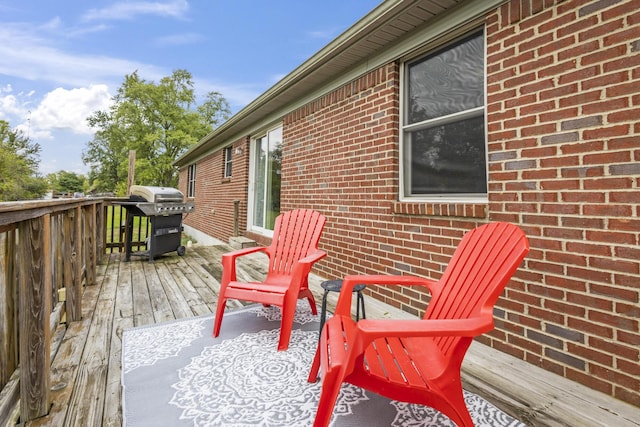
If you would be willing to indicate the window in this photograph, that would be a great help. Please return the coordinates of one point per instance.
(227, 161)
(443, 128)
(191, 180)
(266, 163)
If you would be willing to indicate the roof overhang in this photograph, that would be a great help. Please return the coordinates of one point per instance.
(390, 24)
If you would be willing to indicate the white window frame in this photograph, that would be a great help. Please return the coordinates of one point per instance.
(405, 173)
(191, 180)
(228, 161)
(253, 179)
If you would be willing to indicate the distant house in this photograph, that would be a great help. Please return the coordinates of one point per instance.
(427, 118)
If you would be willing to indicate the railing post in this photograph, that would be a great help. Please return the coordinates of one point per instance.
(101, 232)
(8, 307)
(77, 257)
(89, 217)
(73, 303)
(34, 271)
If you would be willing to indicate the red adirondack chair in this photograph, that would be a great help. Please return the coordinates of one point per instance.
(293, 250)
(419, 361)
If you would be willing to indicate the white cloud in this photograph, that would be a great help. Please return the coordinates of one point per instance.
(14, 105)
(27, 55)
(84, 30)
(69, 109)
(179, 39)
(34, 134)
(129, 10)
(52, 25)
(8, 106)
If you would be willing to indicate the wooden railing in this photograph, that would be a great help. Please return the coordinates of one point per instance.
(48, 253)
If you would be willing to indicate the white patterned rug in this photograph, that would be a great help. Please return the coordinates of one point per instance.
(176, 374)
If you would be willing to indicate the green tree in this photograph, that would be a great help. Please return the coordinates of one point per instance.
(160, 121)
(66, 182)
(107, 154)
(19, 160)
(215, 110)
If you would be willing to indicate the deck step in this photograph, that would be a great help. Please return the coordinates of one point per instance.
(241, 242)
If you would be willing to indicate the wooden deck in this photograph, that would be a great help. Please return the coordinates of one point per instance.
(86, 364)
(86, 367)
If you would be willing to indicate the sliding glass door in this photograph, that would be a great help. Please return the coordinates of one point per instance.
(266, 166)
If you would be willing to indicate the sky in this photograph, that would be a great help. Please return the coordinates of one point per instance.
(60, 61)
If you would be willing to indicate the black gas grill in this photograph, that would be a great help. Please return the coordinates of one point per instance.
(164, 207)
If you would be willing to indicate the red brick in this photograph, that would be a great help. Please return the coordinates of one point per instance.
(613, 183)
(624, 62)
(629, 281)
(540, 85)
(581, 97)
(629, 338)
(582, 147)
(616, 265)
(608, 210)
(591, 354)
(624, 116)
(608, 157)
(628, 310)
(577, 26)
(602, 55)
(628, 381)
(627, 395)
(626, 224)
(605, 106)
(567, 258)
(590, 381)
(621, 37)
(590, 327)
(539, 130)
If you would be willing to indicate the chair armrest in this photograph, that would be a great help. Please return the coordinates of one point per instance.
(470, 327)
(229, 262)
(244, 251)
(303, 266)
(368, 330)
(343, 305)
(314, 257)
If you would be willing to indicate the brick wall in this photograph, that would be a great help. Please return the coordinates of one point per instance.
(214, 194)
(563, 164)
(563, 96)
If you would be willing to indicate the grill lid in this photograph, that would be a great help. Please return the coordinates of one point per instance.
(156, 194)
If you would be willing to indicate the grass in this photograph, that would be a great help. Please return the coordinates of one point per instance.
(115, 222)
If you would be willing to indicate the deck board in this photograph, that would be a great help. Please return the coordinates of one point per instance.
(142, 308)
(112, 415)
(158, 299)
(179, 305)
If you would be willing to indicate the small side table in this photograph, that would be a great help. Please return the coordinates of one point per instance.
(336, 286)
